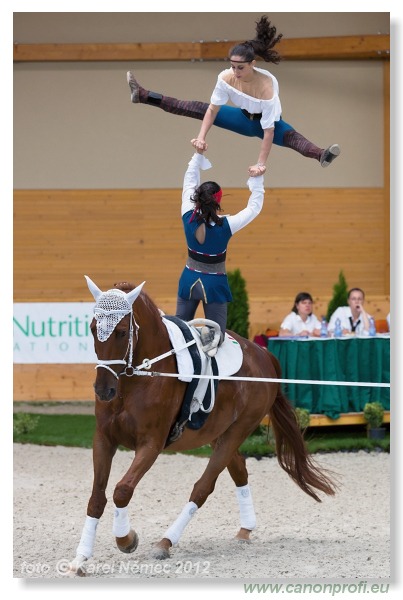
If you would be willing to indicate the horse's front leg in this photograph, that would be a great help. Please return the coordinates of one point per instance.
(103, 452)
(126, 537)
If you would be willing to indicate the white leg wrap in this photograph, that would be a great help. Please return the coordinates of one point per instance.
(177, 528)
(121, 523)
(86, 545)
(246, 510)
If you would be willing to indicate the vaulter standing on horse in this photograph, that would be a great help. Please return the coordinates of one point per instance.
(254, 92)
(204, 278)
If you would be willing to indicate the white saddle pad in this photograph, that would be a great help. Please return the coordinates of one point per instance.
(229, 356)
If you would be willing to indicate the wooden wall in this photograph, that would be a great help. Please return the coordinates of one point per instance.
(300, 241)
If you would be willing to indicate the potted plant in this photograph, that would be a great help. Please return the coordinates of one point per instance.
(238, 309)
(340, 295)
(373, 414)
(303, 417)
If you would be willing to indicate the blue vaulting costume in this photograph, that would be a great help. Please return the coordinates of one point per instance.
(204, 277)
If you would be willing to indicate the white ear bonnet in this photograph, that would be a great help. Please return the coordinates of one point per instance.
(111, 307)
(109, 310)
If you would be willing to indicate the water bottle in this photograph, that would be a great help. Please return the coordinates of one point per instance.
(337, 329)
(372, 328)
(323, 328)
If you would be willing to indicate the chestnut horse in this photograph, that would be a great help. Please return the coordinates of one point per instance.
(139, 413)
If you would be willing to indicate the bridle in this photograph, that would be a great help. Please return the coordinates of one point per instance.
(107, 318)
(129, 369)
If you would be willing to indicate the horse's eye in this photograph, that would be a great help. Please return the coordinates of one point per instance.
(121, 333)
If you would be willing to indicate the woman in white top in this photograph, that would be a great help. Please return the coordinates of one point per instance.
(353, 318)
(255, 94)
(301, 321)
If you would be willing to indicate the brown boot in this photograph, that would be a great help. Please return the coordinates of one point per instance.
(186, 108)
(297, 142)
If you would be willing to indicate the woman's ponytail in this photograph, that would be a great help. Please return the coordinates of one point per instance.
(262, 45)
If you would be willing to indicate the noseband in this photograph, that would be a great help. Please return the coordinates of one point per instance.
(129, 370)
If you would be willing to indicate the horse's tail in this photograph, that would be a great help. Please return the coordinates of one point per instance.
(292, 453)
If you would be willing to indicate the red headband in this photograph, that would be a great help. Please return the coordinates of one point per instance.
(217, 196)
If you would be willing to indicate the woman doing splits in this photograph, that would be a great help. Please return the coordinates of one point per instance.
(255, 94)
(207, 234)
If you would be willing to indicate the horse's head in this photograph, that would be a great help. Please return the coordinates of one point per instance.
(115, 332)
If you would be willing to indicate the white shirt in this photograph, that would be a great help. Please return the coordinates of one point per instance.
(295, 324)
(344, 313)
(192, 181)
(270, 109)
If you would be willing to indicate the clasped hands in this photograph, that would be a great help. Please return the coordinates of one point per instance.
(257, 170)
(199, 144)
(254, 171)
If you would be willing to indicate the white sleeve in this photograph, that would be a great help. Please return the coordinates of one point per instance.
(255, 204)
(287, 323)
(220, 95)
(192, 180)
(271, 112)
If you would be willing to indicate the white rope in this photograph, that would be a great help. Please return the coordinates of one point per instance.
(266, 379)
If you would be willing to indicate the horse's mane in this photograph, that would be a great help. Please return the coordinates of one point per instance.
(126, 286)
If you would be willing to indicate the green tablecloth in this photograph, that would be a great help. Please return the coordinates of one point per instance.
(347, 359)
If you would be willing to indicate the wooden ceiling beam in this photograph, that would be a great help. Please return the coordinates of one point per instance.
(350, 47)
(330, 48)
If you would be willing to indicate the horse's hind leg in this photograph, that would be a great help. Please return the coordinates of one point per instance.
(223, 455)
(239, 474)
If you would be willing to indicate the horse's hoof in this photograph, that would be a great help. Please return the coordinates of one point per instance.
(243, 536)
(72, 572)
(160, 553)
(161, 550)
(128, 543)
(76, 567)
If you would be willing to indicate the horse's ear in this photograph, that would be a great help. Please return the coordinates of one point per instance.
(131, 296)
(95, 291)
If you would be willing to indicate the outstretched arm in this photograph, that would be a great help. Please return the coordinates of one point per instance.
(260, 167)
(192, 179)
(255, 204)
(207, 123)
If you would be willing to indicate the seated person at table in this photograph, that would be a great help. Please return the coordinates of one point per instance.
(301, 321)
(353, 318)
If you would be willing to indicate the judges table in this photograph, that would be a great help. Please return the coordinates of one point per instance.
(350, 358)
